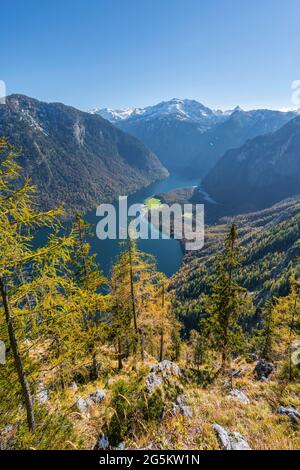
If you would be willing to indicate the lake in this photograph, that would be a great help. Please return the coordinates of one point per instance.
(167, 252)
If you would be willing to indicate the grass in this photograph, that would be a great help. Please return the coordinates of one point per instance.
(153, 203)
(258, 422)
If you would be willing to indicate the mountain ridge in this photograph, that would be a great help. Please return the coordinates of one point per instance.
(259, 173)
(189, 137)
(73, 157)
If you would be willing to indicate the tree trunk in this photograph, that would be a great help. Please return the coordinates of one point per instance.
(120, 364)
(17, 359)
(161, 349)
(132, 291)
(290, 340)
(95, 367)
(142, 345)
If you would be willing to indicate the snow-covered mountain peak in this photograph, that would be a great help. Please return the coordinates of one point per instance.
(182, 109)
(115, 115)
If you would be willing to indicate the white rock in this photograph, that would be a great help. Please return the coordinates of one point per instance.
(230, 440)
(98, 396)
(103, 443)
(180, 407)
(82, 406)
(152, 382)
(159, 372)
(42, 394)
(74, 387)
(240, 396)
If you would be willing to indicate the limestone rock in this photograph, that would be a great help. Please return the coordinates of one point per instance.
(167, 368)
(230, 440)
(291, 412)
(82, 406)
(42, 394)
(153, 381)
(240, 396)
(98, 396)
(103, 443)
(180, 407)
(161, 371)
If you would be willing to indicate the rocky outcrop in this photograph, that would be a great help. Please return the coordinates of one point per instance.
(74, 158)
(239, 396)
(263, 369)
(103, 443)
(291, 412)
(83, 404)
(160, 372)
(230, 440)
(98, 396)
(42, 395)
(180, 407)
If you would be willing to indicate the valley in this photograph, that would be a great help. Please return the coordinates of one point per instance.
(149, 232)
(151, 343)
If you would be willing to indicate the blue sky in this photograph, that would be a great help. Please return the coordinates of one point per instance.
(120, 53)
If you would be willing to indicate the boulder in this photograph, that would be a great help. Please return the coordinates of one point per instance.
(74, 387)
(120, 446)
(230, 440)
(291, 412)
(83, 405)
(98, 396)
(180, 407)
(263, 369)
(167, 368)
(153, 381)
(161, 371)
(239, 396)
(42, 395)
(103, 443)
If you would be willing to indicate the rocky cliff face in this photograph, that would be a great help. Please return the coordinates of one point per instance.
(261, 172)
(190, 137)
(75, 158)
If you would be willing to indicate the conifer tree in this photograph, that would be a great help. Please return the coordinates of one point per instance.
(18, 218)
(89, 282)
(267, 333)
(228, 303)
(286, 315)
(294, 320)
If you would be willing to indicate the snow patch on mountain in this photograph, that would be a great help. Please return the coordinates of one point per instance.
(181, 109)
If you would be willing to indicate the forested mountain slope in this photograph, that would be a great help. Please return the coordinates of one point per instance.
(270, 245)
(75, 158)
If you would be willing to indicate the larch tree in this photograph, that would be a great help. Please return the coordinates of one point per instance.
(286, 317)
(19, 217)
(88, 294)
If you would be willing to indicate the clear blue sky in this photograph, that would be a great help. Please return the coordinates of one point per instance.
(120, 53)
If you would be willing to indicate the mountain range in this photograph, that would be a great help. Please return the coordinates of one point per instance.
(189, 137)
(75, 158)
(246, 160)
(263, 171)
